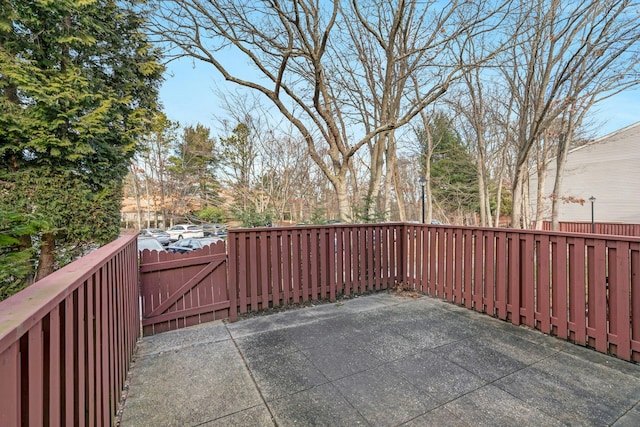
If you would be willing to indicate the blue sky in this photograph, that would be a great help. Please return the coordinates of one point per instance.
(188, 97)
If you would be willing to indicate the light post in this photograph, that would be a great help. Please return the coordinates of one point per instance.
(423, 182)
(593, 224)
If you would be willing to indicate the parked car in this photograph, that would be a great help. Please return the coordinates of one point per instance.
(184, 231)
(222, 231)
(188, 245)
(211, 230)
(151, 243)
(160, 235)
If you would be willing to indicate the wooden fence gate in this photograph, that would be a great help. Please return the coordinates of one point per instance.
(180, 290)
(580, 287)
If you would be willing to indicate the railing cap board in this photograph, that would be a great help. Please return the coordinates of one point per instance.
(21, 311)
(610, 237)
(310, 226)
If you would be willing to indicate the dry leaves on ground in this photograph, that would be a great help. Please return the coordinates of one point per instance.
(405, 290)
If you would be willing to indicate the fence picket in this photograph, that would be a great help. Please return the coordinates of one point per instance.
(597, 296)
(543, 284)
(10, 392)
(527, 280)
(501, 275)
(559, 286)
(635, 301)
(619, 304)
(457, 264)
(577, 290)
(487, 287)
(70, 337)
(514, 277)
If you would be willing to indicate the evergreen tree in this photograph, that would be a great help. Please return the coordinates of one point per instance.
(238, 159)
(194, 162)
(454, 183)
(192, 171)
(78, 83)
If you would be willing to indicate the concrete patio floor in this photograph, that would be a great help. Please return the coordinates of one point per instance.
(378, 360)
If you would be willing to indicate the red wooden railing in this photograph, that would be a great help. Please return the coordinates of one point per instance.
(66, 342)
(614, 229)
(584, 288)
(280, 266)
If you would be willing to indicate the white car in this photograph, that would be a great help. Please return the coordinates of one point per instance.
(150, 243)
(184, 231)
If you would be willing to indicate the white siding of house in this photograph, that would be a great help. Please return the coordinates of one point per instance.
(607, 169)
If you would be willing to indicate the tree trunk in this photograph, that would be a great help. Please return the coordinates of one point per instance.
(342, 195)
(402, 207)
(561, 162)
(427, 188)
(389, 184)
(542, 175)
(498, 202)
(148, 207)
(526, 202)
(485, 208)
(377, 163)
(482, 193)
(516, 191)
(46, 261)
(394, 179)
(503, 162)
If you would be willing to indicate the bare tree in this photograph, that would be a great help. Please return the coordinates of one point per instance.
(286, 174)
(239, 153)
(483, 119)
(408, 54)
(427, 146)
(149, 172)
(287, 46)
(266, 168)
(566, 56)
(479, 104)
(297, 53)
(132, 186)
(543, 150)
(474, 116)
